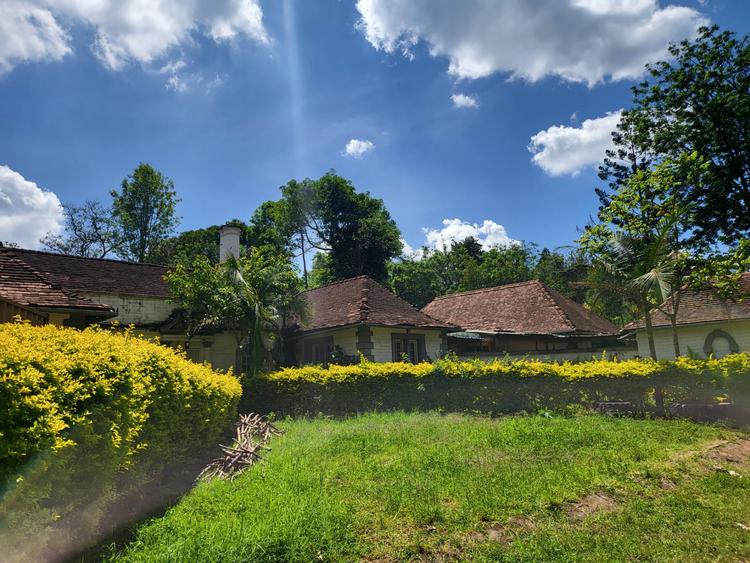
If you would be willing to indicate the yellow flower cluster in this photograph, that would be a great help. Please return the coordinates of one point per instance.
(88, 405)
(600, 368)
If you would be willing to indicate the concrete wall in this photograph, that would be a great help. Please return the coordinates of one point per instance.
(346, 338)
(134, 308)
(693, 338)
(382, 350)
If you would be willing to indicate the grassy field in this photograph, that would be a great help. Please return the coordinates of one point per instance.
(393, 487)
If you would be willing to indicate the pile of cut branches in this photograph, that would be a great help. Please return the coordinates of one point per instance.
(253, 431)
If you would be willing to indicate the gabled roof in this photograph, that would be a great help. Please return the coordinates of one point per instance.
(704, 306)
(361, 300)
(23, 285)
(525, 308)
(95, 275)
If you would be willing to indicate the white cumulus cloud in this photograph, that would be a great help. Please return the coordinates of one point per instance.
(488, 233)
(29, 32)
(464, 101)
(357, 148)
(27, 212)
(562, 149)
(577, 40)
(125, 31)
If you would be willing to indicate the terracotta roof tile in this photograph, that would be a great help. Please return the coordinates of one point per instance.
(361, 300)
(96, 275)
(526, 307)
(703, 305)
(22, 284)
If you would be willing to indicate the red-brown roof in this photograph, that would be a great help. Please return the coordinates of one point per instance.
(526, 308)
(361, 300)
(23, 285)
(704, 306)
(95, 275)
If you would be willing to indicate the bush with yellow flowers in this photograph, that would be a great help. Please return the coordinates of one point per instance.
(82, 412)
(502, 385)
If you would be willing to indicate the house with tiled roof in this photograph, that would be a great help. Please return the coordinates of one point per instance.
(46, 287)
(707, 324)
(26, 293)
(360, 316)
(526, 319)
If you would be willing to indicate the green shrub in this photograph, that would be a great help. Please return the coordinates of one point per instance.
(86, 414)
(499, 386)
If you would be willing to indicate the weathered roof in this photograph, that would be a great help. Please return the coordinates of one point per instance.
(361, 300)
(526, 308)
(704, 306)
(23, 285)
(95, 275)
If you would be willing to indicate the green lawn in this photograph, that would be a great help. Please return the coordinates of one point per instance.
(395, 487)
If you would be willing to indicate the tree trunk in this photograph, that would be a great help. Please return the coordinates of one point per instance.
(673, 322)
(649, 329)
(304, 258)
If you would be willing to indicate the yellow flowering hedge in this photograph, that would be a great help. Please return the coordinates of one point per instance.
(80, 409)
(503, 385)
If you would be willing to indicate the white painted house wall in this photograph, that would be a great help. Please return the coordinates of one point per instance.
(219, 350)
(346, 338)
(693, 337)
(136, 309)
(382, 350)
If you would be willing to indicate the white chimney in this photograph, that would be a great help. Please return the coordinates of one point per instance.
(229, 242)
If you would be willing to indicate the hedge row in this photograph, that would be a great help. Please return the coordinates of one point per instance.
(86, 414)
(499, 386)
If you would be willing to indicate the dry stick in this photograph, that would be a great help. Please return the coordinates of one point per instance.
(251, 433)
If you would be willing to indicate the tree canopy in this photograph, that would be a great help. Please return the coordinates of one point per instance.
(696, 102)
(328, 215)
(144, 211)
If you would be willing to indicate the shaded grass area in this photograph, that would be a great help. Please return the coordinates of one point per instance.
(410, 486)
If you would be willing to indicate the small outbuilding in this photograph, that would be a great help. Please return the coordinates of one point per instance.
(707, 325)
(360, 316)
(526, 319)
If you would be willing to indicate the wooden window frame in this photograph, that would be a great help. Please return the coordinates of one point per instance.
(406, 336)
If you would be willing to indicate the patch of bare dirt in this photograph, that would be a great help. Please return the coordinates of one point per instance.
(667, 484)
(591, 504)
(733, 452)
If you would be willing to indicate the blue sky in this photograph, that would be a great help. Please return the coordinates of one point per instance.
(233, 98)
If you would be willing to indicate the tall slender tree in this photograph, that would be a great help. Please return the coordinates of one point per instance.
(144, 211)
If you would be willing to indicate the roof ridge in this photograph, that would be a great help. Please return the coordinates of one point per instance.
(420, 311)
(552, 297)
(12, 249)
(486, 289)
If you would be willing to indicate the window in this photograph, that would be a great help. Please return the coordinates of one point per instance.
(408, 346)
(318, 350)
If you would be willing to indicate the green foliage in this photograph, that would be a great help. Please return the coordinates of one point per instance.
(144, 211)
(86, 410)
(410, 487)
(465, 267)
(89, 231)
(251, 297)
(329, 215)
(185, 247)
(497, 386)
(695, 102)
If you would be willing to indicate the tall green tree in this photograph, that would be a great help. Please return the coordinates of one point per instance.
(641, 239)
(697, 102)
(144, 211)
(328, 215)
